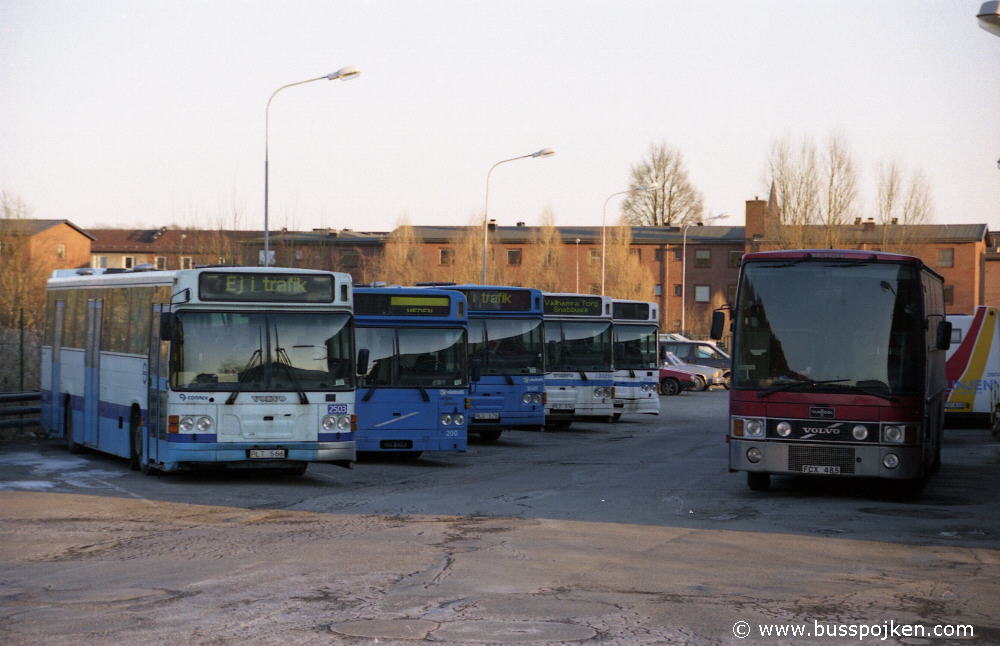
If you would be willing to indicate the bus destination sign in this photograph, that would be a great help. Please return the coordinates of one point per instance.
(576, 305)
(631, 311)
(261, 287)
(392, 305)
(498, 300)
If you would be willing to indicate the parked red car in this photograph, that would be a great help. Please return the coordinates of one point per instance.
(672, 382)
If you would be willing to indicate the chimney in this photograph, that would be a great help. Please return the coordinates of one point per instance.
(520, 224)
(491, 225)
(895, 220)
(869, 225)
(857, 222)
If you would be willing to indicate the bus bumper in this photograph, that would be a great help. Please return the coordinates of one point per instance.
(172, 455)
(847, 460)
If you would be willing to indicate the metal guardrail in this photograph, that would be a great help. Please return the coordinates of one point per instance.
(19, 412)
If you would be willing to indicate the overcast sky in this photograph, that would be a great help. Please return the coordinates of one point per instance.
(141, 114)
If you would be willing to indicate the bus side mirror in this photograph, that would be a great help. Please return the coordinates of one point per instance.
(166, 326)
(363, 355)
(718, 323)
(943, 340)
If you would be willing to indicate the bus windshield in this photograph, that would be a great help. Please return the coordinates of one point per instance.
(506, 346)
(635, 347)
(263, 351)
(829, 325)
(414, 357)
(578, 345)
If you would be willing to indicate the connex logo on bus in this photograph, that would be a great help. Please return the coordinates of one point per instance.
(977, 385)
(193, 398)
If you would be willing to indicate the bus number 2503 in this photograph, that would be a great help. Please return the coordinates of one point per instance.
(336, 409)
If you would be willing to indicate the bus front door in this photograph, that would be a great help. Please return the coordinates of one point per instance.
(156, 380)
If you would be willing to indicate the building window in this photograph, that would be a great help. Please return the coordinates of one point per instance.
(513, 256)
(99, 262)
(349, 259)
(658, 255)
(678, 290)
(946, 258)
(446, 256)
(734, 258)
(187, 262)
(595, 256)
(949, 294)
(160, 262)
(703, 258)
(702, 293)
(731, 294)
(657, 290)
(128, 262)
(60, 250)
(679, 253)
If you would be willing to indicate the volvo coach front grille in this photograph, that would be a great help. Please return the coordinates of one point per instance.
(822, 456)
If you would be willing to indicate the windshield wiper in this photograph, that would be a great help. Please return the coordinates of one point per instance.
(800, 382)
(255, 359)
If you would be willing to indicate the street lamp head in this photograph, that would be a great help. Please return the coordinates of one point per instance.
(344, 74)
(989, 17)
(544, 152)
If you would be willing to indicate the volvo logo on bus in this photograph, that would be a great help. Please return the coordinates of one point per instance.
(822, 412)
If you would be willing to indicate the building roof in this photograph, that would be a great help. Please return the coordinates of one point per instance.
(164, 240)
(591, 235)
(33, 227)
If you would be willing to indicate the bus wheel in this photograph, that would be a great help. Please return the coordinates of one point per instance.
(669, 386)
(758, 481)
(489, 436)
(135, 448)
(71, 445)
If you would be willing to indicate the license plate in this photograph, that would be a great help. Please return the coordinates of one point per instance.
(828, 470)
(486, 416)
(396, 444)
(267, 454)
(562, 406)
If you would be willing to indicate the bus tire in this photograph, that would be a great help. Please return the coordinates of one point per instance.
(489, 436)
(669, 386)
(758, 481)
(71, 445)
(135, 440)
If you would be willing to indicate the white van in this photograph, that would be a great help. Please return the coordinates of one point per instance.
(973, 364)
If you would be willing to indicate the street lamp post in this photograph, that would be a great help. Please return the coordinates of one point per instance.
(604, 217)
(721, 216)
(344, 74)
(544, 152)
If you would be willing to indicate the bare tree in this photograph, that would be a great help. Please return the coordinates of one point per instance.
(816, 193)
(22, 297)
(675, 199)
(401, 262)
(541, 265)
(900, 204)
(626, 275)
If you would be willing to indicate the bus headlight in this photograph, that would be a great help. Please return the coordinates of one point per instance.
(784, 429)
(344, 423)
(204, 424)
(754, 454)
(458, 419)
(539, 398)
(754, 428)
(527, 398)
(329, 423)
(186, 424)
(446, 419)
(893, 434)
(890, 461)
(860, 432)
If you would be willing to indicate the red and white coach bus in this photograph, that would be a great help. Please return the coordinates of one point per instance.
(838, 366)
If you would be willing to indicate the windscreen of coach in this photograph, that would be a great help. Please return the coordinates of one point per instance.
(224, 351)
(856, 323)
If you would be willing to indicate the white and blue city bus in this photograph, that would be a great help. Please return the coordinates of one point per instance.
(413, 393)
(579, 373)
(507, 359)
(235, 366)
(637, 374)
